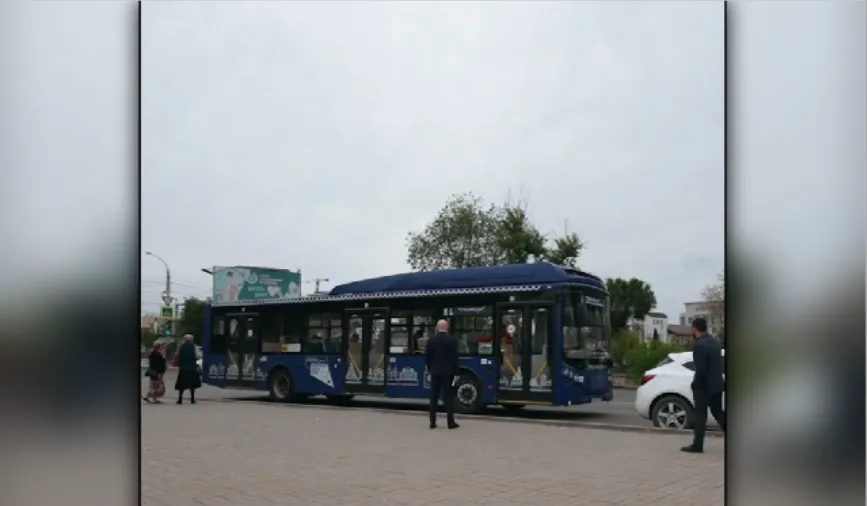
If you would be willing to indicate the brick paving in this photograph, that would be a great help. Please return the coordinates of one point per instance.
(255, 454)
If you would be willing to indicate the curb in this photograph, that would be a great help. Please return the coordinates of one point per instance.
(551, 423)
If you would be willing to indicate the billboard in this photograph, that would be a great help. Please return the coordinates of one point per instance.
(242, 283)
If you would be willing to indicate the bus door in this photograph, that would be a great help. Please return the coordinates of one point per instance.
(366, 334)
(243, 349)
(524, 345)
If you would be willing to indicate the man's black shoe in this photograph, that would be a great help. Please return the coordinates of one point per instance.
(691, 449)
(433, 426)
(453, 426)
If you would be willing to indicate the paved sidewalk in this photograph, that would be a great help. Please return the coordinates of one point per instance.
(255, 454)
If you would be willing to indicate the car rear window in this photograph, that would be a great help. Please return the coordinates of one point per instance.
(691, 365)
(665, 361)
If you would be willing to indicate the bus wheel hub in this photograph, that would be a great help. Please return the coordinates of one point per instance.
(467, 394)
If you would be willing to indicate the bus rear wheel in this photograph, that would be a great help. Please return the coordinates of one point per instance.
(280, 386)
(468, 395)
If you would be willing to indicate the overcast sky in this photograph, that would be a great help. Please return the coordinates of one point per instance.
(316, 135)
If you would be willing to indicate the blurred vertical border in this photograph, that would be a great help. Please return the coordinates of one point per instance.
(795, 230)
(69, 275)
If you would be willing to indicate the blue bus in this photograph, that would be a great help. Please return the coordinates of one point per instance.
(529, 334)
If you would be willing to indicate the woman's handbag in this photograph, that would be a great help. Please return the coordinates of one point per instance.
(152, 374)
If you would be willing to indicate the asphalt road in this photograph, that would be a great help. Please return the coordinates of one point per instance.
(619, 411)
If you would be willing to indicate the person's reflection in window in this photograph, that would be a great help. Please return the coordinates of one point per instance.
(316, 345)
(420, 341)
(463, 347)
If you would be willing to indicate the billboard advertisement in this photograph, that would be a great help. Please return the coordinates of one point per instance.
(242, 283)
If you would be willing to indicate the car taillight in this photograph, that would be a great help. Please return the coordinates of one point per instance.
(647, 378)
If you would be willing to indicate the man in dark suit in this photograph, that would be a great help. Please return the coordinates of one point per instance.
(441, 358)
(707, 385)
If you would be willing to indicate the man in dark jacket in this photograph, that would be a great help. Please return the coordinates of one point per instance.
(441, 358)
(707, 385)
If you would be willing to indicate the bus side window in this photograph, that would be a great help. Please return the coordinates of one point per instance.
(335, 341)
(419, 341)
(290, 333)
(270, 324)
(324, 334)
(400, 332)
(422, 330)
(471, 331)
(218, 338)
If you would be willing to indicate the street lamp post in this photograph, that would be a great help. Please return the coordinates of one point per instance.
(167, 294)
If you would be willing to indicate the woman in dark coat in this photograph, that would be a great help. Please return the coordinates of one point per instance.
(188, 371)
(156, 369)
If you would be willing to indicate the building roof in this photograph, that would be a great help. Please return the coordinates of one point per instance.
(657, 315)
(680, 330)
(473, 277)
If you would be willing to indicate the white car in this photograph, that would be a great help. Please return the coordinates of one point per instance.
(665, 394)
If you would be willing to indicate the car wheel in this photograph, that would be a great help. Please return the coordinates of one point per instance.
(280, 386)
(468, 395)
(672, 412)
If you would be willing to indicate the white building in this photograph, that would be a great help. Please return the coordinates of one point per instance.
(653, 324)
(712, 312)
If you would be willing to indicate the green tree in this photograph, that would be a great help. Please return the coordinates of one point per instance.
(517, 240)
(629, 298)
(467, 232)
(714, 297)
(462, 234)
(192, 318)
(147, 337)
(565, 250)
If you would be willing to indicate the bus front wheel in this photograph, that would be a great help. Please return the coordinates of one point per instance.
(468, 395)
(280, 386)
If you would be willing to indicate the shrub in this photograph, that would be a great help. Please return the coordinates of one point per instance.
(647, 356)
(621, 344)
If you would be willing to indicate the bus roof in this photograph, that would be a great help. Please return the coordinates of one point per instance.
(472, 280)
(472, 277)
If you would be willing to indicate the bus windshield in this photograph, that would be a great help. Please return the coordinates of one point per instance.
(586, 333)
